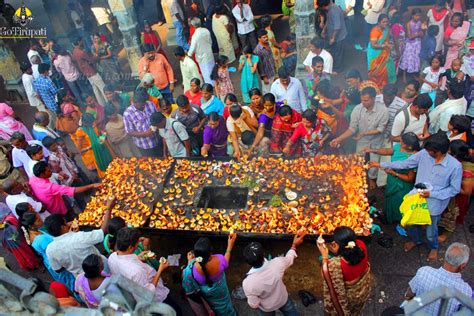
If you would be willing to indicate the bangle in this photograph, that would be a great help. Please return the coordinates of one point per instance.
(228, 251)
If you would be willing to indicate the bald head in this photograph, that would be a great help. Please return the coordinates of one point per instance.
(42, 118)
(457, 256)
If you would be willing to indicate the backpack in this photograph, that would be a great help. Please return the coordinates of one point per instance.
(406, 116)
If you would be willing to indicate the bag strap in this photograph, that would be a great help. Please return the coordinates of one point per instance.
(179, 138)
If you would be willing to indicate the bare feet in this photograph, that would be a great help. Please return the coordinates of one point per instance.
(409, 246)
(433, 256)
(442, 238)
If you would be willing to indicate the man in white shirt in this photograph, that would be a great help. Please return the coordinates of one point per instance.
(33, 51)
(456, 104)
(412, 119)
(289, 90)
(70, 246)
(201, 44)
(179, 23)
(245, 28)
(316, 48)
(189, 69)
(373, 8)
(176, 138)
(20, 158)
(17, 194)
(27, 79)
(393, 103)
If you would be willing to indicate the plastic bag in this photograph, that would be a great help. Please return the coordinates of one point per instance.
(414, 209)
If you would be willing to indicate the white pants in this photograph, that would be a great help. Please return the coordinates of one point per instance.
(206, 70)
(267, 87)
(382, 176)
(98, 86)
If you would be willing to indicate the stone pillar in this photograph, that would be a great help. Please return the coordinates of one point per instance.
(305, 31)
(124, 12)
(9, 66)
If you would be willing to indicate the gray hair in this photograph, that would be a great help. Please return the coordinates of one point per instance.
(457, 254)
(196, 22)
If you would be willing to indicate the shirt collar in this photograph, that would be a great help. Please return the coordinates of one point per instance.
(254, 270)
(455, 275)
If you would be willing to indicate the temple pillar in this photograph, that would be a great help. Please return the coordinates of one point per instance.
(305, 31)
(9, 66)
(125, 13)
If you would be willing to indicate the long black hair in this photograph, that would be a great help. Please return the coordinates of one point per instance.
(203, 249)
(343, 236)
(220, 61)
(115, 224)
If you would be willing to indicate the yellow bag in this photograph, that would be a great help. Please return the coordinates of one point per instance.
(414, 209)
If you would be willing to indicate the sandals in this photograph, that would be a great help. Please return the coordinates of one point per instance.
(306, 298)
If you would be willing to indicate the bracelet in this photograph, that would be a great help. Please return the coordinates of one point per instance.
(228, 251)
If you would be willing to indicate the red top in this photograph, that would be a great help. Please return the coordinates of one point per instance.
(351, 273)
(194, 99)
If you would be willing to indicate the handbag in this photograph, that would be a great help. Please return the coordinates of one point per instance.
(414, 209)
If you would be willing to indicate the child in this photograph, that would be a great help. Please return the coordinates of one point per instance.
(428, 46)
(220, 74)
(410, 61)
(459, 126)
(312, 80)
(452, 74)
(430, 75)
(266, 21)
(248, 64)
(289, 55)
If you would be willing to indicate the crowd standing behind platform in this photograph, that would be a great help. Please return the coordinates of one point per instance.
(419, 134)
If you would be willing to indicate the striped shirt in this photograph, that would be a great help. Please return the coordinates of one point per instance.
(266, 66)
(394, 107)
(428, 278)
(46, 89)
(139, 121)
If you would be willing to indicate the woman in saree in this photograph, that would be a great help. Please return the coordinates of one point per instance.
(204, 278)
(283, 126)
(40, 240)
(92, 146)
(347, 277)
(379, 59)
(14, 241)
(223, 30)
(209, 102)
(9, 124)
(455, 41)
(399, 182)
(107, 62)
(215, 137)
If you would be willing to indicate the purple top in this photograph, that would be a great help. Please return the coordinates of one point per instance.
(415, 27)
(267, 122)
(217, 138)
(223, 264)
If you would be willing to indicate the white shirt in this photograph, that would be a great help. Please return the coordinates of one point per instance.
(350, 3)
(30, 91)
(240, 123)
(32, 53)
(201, 44)
(432, 77)
(293, 94)
(414, 125)
(440, 116)
(175, 9)
(13, 200)
(130, 267)
(69, 250)
(325, 55)
(21, 159)
(373, 13)
(174, 141)
(189, 71)
(244, 27)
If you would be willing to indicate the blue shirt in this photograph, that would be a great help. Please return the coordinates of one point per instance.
(428, 47)
(46, 89)
(445, 177)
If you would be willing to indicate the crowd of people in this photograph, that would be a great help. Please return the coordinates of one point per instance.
(420, 134)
